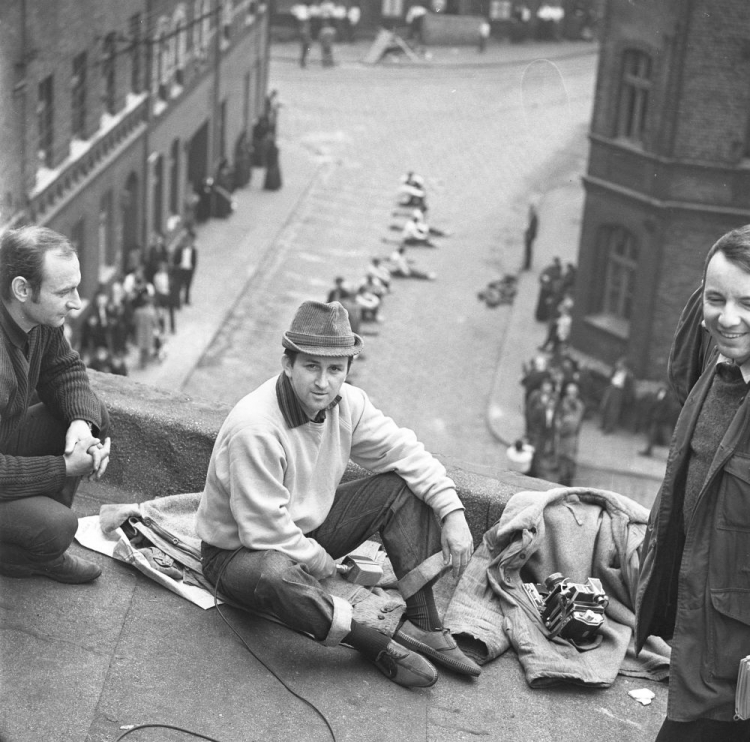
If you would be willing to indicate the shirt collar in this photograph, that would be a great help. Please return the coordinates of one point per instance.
(15, 334)
(744, 368)
(291, 409)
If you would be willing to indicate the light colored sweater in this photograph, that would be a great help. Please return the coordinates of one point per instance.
(269, 484)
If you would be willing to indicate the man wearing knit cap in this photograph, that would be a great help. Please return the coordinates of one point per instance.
(274, 514)
(45, 448)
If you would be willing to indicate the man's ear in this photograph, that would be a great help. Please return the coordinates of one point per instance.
(286, 364)
(20, 289)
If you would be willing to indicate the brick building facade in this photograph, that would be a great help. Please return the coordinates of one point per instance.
(668, 172)
(112, 111)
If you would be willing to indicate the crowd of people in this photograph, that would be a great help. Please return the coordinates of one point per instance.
(140, 310)
(324, 22)
(560, 392)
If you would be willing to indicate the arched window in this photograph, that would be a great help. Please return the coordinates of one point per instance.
(635, 88)
(620, 251)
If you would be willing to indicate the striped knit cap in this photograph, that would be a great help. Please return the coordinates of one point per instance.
(320, 329)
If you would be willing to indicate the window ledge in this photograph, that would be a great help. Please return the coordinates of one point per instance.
(611, 324)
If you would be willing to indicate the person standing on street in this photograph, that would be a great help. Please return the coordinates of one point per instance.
(274, 513)
(46, 447)
(694, 583)
(185, 263)
(529, 236)
(326, 37)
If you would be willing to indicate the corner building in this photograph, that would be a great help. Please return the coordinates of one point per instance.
(113, 111)
(668, 171)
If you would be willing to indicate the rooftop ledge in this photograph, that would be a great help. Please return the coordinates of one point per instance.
(162, 443)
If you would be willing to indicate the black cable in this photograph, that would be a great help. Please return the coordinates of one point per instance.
(247, 646)
(165, 726)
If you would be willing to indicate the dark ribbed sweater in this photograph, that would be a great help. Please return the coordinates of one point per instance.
(727, 391)
(42, 361)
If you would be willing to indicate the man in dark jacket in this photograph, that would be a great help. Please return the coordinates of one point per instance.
(45, 448)
(694, 586)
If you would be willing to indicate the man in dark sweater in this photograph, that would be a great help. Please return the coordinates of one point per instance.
(694, 584)
(53, 428)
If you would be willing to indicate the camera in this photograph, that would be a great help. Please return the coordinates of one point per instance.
(571, 610)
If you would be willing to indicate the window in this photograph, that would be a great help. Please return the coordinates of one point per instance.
(393, 8)
(201, 26)
(635, 86)
(109, 58)
(78, 96)
(135, 53)
(500, 10)
(162, 65)
(45, 122)
(174, 178)
(180, 43)
(226, 19)
(619, 249)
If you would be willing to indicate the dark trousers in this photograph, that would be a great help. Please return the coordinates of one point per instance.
(273, 583)
(39, 529)
(704, 730)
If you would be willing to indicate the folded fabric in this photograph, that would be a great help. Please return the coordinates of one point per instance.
(167, 524)
(579, 532)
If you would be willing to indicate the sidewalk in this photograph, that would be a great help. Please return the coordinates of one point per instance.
(606, 462)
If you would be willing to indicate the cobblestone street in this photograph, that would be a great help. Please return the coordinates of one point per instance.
(486, 136)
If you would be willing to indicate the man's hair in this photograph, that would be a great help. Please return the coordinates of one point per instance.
(292, 356)
(735, 246)
(22, 253)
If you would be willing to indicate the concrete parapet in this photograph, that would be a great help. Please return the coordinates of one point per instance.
(162, 443)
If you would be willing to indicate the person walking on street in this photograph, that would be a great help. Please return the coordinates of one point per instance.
(46, 447)
(617, 395)
(529, 236)
(569, 420)
(326, 38)
(694, 580)
(274, 514)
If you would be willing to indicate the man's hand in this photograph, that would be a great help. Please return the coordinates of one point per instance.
(85, 455)
(458, 545)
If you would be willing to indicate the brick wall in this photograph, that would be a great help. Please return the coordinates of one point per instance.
(715, 95)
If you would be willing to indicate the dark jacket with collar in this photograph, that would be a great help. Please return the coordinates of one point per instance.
(708, 558)
(40, 361)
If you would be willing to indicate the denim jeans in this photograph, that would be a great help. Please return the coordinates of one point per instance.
(38, 529)
(272, 583)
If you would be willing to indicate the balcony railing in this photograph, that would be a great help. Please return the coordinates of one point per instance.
(55, 186)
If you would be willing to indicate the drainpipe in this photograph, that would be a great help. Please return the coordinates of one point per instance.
(20, 89)
(149, 44)
(216, 139)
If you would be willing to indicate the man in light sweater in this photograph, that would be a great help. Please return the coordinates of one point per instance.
(45, 448)
(274, 514)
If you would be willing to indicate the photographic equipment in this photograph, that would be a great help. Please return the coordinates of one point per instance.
(568, 609)
(361, 570)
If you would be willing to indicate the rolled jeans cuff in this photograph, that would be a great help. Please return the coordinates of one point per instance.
(341, 623)
(426, 572)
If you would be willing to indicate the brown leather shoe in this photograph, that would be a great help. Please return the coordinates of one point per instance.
(439, 646)
(405, 668)
(68, 568)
